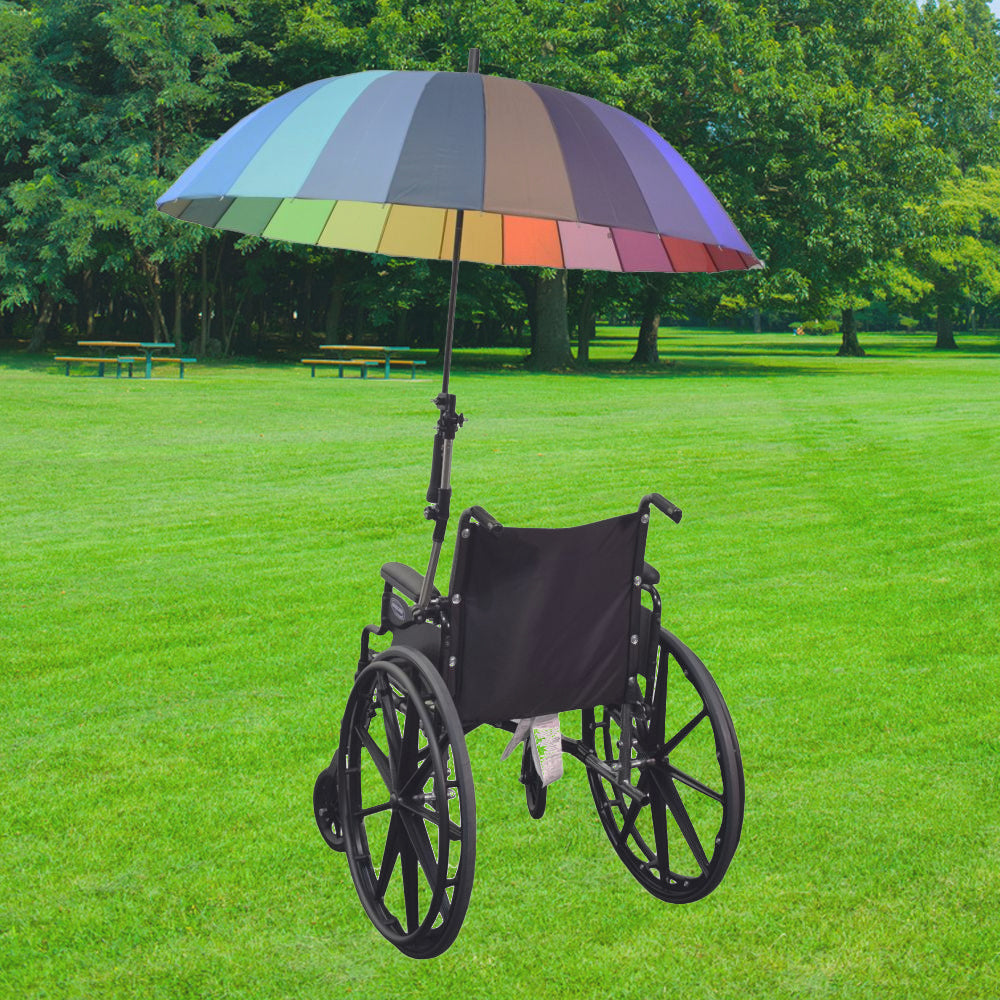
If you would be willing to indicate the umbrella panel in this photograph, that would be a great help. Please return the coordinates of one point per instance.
(489, 238)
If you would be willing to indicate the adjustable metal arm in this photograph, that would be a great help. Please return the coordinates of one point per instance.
(439, 491)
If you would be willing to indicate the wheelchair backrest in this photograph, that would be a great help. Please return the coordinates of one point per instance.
(541, 620)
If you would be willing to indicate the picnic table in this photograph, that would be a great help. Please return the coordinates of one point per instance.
(363, 354)
(135, 345)
(116, 347)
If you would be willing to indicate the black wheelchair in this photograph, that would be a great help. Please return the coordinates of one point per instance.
(534, 622)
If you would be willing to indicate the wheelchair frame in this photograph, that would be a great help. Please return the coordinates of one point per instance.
(402, 733)
(417, 753)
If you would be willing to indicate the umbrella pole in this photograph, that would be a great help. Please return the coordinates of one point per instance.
(439, 491)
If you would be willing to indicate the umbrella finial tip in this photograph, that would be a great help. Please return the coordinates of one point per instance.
(473, 60)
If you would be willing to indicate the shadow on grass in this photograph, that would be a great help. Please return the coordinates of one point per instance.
(19, 361)
(675, 364)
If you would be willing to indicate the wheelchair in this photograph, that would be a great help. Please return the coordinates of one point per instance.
(534, 622)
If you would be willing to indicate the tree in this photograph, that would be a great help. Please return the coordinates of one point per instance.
(951, 82)
(959, 256)
(101, 103)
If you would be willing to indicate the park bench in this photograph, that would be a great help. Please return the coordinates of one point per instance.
(383, 355)
(180, 362)
(100, 362)
(341, 364)
(412, 365)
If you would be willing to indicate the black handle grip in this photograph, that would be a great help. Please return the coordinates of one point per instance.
(662, 503)
(487, 520)
(432, 490)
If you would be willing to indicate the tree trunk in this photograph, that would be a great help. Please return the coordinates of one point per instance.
(206, 320)
(335, 308)
(46, 308)
(755, 317)
(551, 350)
(153, 303)
(945, 327)
(525, 279)
(646, 350)
(586, 327)
(178, 334)
(849, 347)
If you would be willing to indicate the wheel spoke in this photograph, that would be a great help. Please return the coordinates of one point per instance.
(628, 820)
(425, 812)
(426, 764)
(698, 786)
(408, 750)
(672, 798)
(372, 810)
(411, 887)
(658, 812)
(659, 701)
(670, 747)
(389, 855)
(377, 755)
(391, 724)
(424, 851)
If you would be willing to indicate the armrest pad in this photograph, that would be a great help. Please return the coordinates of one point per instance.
(405, 579)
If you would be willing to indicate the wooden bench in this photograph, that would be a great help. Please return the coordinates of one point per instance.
(100, 362)
(362, 352)
(128, 363)
(181, 362)
(123, 362)
(341, 364)
(412, 365)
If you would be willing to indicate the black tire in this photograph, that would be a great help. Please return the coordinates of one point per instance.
(326, 807)
(679, 839)
(535, 792)
(406, 796)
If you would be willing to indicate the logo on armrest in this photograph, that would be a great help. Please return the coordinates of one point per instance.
(400, 613)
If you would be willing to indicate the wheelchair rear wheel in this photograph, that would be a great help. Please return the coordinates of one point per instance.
(407, 803)
(678, 840)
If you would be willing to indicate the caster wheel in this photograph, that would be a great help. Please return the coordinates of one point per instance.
(534, 790)
(326, 807)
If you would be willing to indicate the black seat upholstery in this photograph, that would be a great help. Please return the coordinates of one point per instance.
(541, 619)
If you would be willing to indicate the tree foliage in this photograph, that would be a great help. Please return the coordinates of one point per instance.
(856, 144)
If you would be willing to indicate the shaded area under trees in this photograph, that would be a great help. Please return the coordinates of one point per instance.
(856, 145)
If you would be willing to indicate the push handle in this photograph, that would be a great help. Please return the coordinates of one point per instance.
(487, 520)
(661, 503)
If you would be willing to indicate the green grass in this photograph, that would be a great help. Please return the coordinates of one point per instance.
(186, 566)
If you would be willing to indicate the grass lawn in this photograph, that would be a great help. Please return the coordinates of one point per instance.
(186, 566)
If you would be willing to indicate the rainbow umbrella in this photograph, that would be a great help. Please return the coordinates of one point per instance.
(381, 162)
(460, 166)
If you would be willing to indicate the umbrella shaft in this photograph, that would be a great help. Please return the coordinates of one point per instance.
(449, 336)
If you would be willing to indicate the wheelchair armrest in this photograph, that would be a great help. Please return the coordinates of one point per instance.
(650, 575)
(405, 579)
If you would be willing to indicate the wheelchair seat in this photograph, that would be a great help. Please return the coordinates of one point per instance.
(541, 619)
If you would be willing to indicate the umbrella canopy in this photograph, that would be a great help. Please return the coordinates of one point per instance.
(382, 162)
